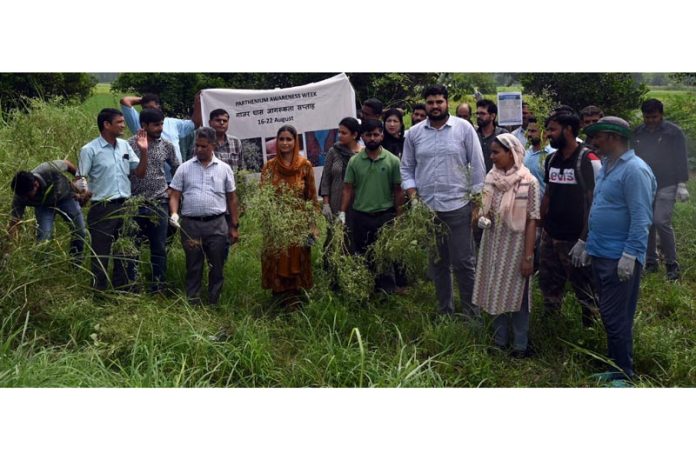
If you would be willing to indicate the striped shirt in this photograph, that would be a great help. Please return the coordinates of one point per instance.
(445, 164)
(204, 188)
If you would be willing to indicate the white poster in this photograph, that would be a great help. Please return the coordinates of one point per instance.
(509, 109)
(256, 115)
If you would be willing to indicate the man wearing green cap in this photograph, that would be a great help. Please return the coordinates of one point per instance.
(619, 223)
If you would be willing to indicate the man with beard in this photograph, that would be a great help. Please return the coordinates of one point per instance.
(535, 156)
(618, 239)
(371, 109)
(662, 145)
(152, 216)
(486, 114)
(373, 185)
(175, 130)
(570, 178)
(442, 165)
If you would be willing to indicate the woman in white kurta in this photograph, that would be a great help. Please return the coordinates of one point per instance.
(511, 202)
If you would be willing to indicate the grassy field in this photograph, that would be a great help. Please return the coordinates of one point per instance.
(55, 333)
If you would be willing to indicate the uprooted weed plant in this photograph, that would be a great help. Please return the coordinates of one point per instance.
(55, 333)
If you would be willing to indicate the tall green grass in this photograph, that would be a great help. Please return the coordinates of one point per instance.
(54, 332)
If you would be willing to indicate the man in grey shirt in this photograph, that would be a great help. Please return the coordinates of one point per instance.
(49, 192)
(442, 163)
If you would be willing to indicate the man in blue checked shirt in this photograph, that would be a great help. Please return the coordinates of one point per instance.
(442, 165)
(619, 224)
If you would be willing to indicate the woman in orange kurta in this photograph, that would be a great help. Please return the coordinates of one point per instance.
(291, 270)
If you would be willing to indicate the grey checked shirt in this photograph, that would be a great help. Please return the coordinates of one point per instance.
(154, 185)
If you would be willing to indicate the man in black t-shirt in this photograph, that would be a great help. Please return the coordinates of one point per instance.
(569, 177)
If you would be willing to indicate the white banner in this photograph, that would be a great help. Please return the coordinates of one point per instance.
(256, 115)
(509, 109)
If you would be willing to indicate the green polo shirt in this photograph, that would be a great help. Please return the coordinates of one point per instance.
(373, 180)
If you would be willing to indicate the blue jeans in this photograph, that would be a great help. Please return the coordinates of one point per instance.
(617, 305)
(519, 320)
(153, 221)
(69, 209)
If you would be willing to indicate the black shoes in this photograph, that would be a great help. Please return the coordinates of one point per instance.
(673, 272)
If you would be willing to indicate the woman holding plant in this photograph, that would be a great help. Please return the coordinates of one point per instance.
(287, 270)
(511, 202)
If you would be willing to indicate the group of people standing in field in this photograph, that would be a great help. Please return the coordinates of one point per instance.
(580, 211)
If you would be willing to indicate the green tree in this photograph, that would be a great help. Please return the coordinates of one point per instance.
(15, 88)
(393, 89)
(463, 84)
(616, 93)
(688, 79)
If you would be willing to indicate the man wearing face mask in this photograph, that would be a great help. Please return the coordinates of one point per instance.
(373, 185)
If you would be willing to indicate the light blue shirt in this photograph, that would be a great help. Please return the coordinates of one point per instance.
(445, 165)
(173, 129)
(204, 188)
(534, 161)
(622, 209)
(521, 135)
(107, 168)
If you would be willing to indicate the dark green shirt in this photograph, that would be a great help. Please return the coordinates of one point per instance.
(373, 180)
(54, 187)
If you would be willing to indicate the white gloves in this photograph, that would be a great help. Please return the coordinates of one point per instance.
(174, 220)
(627, 264)
(80, 184)
(483, 223)
(682, 192)
(326, 212)
(342, 217)
(579, 257)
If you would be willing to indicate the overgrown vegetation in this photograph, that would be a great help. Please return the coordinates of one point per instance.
(616, 93)
(55, 333)
(17, 89)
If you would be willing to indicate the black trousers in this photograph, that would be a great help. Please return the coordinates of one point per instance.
(364, 230)
(104, 222)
